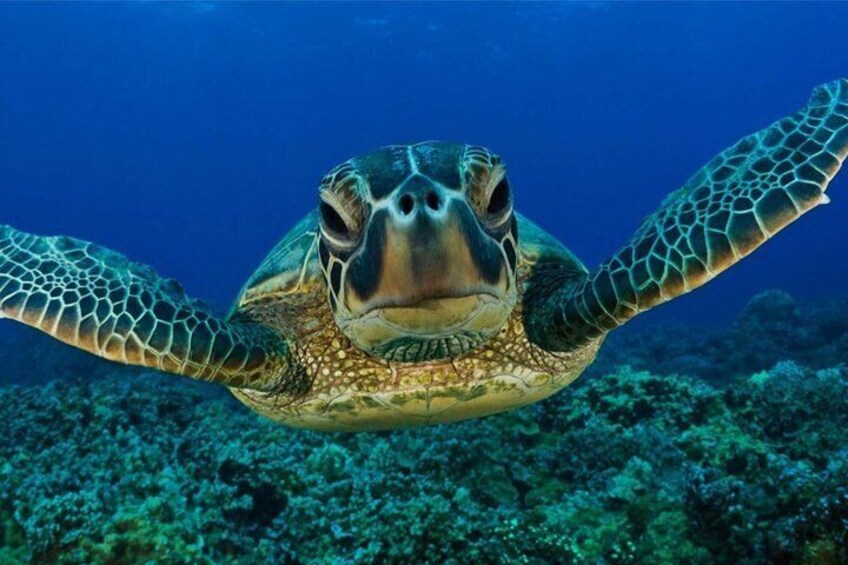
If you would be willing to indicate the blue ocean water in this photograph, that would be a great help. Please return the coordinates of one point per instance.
(192, 137)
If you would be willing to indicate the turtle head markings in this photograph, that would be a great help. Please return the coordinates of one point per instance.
(418, 247)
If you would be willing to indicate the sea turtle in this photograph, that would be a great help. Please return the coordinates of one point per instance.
(415, 294)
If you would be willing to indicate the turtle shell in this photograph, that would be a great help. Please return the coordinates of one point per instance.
(291, 265)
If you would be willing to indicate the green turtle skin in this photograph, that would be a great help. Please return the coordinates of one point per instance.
(415, 294)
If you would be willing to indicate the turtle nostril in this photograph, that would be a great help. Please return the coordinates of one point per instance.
(406, 204)
(433, 201)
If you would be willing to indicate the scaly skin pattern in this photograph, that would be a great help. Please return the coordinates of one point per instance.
(95, 299)
(739, 200)
(353, 391)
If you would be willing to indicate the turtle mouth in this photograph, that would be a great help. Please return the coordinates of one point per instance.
(435, 301)
(431, 327)
(434, 317)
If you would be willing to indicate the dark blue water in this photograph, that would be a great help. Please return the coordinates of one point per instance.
(192, 136)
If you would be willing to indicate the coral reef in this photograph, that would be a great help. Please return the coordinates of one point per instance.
(772, 328)
(635, 465)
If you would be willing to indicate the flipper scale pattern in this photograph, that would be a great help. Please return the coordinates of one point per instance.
(97, 300)
(739, 200)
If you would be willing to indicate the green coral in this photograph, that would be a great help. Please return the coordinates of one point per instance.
(626, 467)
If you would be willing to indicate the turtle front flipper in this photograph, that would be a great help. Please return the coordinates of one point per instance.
(97, 300)
(733, 205)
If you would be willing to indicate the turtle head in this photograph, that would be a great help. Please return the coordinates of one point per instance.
(418, 246)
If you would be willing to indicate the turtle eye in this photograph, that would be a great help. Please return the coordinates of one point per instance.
(499, 199)
(333, 221)
(338, 224)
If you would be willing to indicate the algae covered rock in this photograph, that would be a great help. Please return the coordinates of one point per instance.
(772, 328)
(631, 466)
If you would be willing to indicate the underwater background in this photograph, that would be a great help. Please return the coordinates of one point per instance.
(192, 136)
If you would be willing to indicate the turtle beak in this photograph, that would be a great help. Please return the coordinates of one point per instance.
(425, 251)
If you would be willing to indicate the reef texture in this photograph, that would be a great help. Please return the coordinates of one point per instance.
(646, 465)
